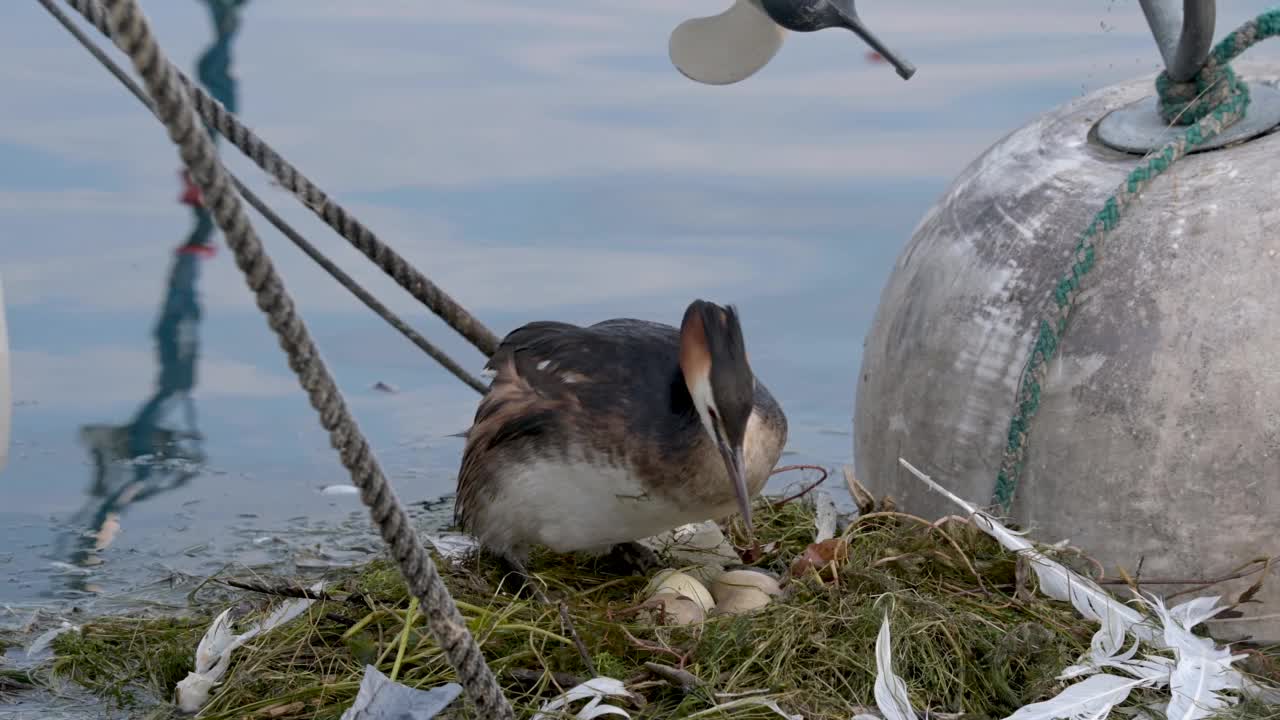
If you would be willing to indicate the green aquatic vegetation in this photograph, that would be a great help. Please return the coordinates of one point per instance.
(970, 634)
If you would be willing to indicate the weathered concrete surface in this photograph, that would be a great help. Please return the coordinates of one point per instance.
(1158, 437)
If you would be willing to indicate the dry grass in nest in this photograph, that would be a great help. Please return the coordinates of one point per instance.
(971, 636)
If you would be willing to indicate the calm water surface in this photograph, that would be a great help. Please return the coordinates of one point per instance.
(538, 160)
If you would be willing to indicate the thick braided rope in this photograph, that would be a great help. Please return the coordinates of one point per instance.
(131, 33)
(285, 229)
(1229, 108)
(333, 214)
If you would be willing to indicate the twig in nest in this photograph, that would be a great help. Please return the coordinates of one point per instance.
(1247, 595)
(932, 527)
(533, 677)
(1195, 583)
(1236, 574)
(682, 679)
(577, 641)
(290, 591)
(681, 658)
(949, 518)
(563, 609)
(862, 497)
(807, 489)
(335, 618)
(612, 615)
(895, 514)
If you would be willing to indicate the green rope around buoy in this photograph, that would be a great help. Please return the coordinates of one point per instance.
(1209, 103)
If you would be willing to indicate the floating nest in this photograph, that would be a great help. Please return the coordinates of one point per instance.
(971, 635)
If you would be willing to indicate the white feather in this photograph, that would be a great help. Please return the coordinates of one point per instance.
(215, 643)
(890, 690)
(1098, 659)
(1196, 686)
(1196, 676)
(594, 691)
(1056, 581)
(1092, 698)
(47, 637)
(1195, 611)
(1268, 694)
(1202, 670)
(213, 654)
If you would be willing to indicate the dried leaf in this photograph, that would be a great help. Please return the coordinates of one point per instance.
(819, 556)
(1247, 595)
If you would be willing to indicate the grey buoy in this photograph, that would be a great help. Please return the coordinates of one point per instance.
(1157, 439)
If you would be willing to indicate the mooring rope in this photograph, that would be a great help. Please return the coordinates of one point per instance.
(1210, 102)
(280, 224)
(130, 31)
(333, 214)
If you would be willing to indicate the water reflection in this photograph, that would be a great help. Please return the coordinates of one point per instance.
(160, 449)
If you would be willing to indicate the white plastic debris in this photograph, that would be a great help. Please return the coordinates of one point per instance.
(700, 547)
(342, 489)
(380, 698)
(595, 691)
(213, 654)
(453, 546)
(824, 516)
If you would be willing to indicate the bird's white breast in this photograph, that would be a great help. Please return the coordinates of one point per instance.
(577, 505)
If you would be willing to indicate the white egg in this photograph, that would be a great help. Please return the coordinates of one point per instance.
(679, 583)
(738, 580)
(741, 601)
(679, 609)
(738, 591)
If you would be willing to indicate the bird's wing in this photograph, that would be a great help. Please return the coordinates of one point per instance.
(548, 375)
(552, 356)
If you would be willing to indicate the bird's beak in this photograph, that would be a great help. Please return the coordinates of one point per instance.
(737, 475)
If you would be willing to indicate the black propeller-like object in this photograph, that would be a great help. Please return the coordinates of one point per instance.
(813, 15)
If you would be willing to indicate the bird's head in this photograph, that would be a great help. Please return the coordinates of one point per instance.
(713, 359)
